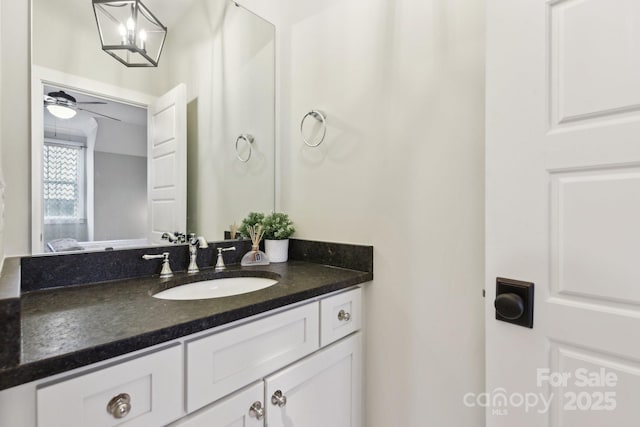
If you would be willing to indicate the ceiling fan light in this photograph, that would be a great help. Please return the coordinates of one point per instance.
(61, 111)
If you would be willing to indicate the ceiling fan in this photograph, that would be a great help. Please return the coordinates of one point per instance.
(64, 106)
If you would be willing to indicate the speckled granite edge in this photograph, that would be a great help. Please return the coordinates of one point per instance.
(344, 255)
(24, 373)
(10, 313)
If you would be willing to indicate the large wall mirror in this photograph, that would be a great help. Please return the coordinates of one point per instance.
(98, 179)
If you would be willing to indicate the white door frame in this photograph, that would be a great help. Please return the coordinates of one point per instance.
(41, 76)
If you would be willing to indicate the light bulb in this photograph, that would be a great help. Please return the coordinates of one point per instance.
(143, 39)
(130, 24)
(123, 33)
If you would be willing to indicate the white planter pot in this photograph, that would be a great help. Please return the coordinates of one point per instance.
(277, 250)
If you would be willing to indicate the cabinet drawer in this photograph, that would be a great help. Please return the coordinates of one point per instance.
(153, 384)
(224, 362)
(340, 315)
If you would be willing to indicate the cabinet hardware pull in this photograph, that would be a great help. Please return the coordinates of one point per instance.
(119, 406)
(256, 410)
(278, 398)
(344, 315)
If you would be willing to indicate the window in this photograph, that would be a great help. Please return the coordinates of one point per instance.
(64, 182)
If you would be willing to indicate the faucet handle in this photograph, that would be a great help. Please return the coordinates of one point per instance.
(166, 267)
(220, 261)
(175, 237)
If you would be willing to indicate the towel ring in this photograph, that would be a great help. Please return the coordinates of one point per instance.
(322, 118)
(249, 140)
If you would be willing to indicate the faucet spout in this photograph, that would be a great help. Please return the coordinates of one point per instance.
(194, 243)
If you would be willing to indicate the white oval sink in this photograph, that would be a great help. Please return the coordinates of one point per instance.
(216, 288)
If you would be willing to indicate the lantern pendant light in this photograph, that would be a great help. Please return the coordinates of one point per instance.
(129, 32)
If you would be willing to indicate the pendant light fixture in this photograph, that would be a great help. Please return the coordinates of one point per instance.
(129, 32)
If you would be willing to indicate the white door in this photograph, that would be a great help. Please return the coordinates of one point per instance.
(241, 409)
(320, 391)
(167, 163)
(563, 211)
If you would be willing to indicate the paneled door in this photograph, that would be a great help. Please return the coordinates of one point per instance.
(167, 163)
(322, 390)
(563, 211)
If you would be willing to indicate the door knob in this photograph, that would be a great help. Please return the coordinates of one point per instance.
(256, 410)
(119, 406)
(344, 316)
(279, 399)
(509, 305)
(514, 302)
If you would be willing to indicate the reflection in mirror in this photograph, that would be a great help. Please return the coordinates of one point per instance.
(94, 179)
(224, 54)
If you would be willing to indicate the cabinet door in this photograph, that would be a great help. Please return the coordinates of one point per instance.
(320, 391)
(233, 411)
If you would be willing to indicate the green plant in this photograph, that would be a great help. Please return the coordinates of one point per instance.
(254, 218)
(277, 226)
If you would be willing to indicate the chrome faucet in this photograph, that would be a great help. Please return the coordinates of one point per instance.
(166, 268)
(194, 243)
(175, 237)
(220, 261)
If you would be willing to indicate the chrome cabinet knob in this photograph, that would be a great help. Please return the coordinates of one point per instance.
(119, 406)
(278, 398)
(344, 315)
(256, 410)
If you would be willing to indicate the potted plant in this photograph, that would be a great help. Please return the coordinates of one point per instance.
(277, 230)
(248, 223)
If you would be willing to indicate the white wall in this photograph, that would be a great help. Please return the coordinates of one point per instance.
(120, 196)
(2, 184)
(15, 124)
(121, 138)
(225, 55)
(65, 38)
(401, 168)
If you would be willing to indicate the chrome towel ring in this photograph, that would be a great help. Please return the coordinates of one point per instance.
(322, 118)
(248, 139)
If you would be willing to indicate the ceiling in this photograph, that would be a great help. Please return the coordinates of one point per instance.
(168, 11)
(125, 112)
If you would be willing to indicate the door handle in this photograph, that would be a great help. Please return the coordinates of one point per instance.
(514, 302)
(509, 305)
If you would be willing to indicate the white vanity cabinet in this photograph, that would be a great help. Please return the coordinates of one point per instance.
(294, 367)
(322, 390)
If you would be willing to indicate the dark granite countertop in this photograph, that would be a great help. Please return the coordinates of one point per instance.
(65, 328)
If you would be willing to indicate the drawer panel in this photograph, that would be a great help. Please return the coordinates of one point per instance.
(340, 315)
(229, 360)
(154, 384)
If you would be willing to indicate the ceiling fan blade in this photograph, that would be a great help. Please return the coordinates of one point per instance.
(100, 114)
(92, 102)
